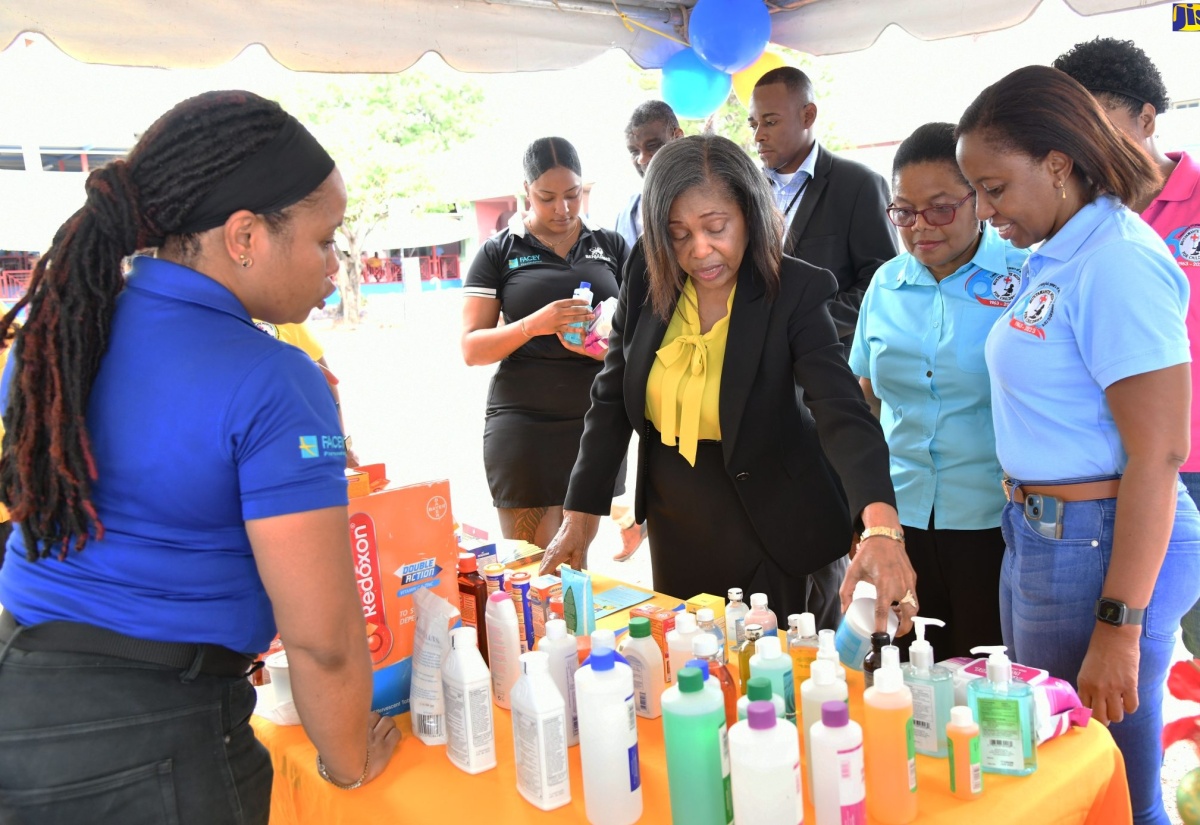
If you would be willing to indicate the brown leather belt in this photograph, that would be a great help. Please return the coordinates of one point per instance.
(1083, 491)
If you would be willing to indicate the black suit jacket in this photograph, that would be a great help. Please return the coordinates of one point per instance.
(841, 225)
(769, 438)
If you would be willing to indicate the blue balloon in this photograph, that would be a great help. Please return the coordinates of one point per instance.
(693, 88)
(730, 34)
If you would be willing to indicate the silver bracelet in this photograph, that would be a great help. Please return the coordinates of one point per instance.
(356, 784)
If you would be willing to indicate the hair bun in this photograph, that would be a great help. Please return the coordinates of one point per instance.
(112, 201)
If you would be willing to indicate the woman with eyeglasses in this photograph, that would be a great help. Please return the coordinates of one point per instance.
(918, 350)
(1090, 399)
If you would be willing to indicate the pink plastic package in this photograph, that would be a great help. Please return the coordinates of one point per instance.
(597, 335)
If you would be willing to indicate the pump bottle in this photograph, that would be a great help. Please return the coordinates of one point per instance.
(888, 749)
(760, 614)
(735, 623)
(827, 651)
(1003, 707)
(932, 689)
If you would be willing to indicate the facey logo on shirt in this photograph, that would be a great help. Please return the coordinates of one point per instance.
(598, 254)
(1184, 244)
(994, 290)
(315, 446)
(1035, 311)
(521, 260)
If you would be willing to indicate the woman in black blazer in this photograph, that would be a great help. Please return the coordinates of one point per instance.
(746, 498)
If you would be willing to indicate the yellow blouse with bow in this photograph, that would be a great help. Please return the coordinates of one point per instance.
(683, 391)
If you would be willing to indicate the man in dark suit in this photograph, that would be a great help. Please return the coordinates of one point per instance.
(833, 208)
(651, 126)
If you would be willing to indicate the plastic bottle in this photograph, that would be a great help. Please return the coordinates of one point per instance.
(679, 640)
(563, 653)
(765, 755)
(603, 639)
(874, 658)
(1003, 707)
(608, 747)
(827, 651)
(760, 614)
(768, 660)
(966, 768)
(705, 646)
(645, 658)
(697, 747)
(838, 784)
(753, 633)
(803, 647)
(932, 691)
(467, 685)
(705, 623)
(758, 689)
(540, 735)
(579, 328)
(472, 598)
(890, 755)
(504, 645)
(735, 623)
(823, 686)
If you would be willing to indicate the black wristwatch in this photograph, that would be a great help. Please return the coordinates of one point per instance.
(1117, 613)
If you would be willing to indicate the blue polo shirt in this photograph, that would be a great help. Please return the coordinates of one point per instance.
(198, 422)
(1100, 301)
(920, 342)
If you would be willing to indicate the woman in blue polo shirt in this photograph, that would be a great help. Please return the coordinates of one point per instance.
(919, 352)
(177, 483)
(1090, 399)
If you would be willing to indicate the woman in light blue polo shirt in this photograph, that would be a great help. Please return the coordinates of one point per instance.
(1090, 398)
(918, 351)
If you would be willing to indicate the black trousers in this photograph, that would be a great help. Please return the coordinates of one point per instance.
(958, 581)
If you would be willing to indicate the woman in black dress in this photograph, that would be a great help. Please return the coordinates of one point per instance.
(526, 275)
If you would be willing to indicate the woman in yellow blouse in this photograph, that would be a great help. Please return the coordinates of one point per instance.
(715, 336)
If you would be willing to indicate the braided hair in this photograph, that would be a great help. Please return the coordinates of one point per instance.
(47, 466)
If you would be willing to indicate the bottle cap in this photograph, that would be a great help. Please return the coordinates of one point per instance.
(685, 623)
(827, 641)
(891, 656)
(758, 600)
(467, 563)
(704, 614)
(760, 715)
(602, 659)
(584, 285)
(823, 672)
(808, 625)
(639, 627)
(462, 638)
(603, 639)
(999, 666)
(759, 689)
(920, 652)
(793, 621)
(691, 679)
(704, 644)
(754, 631)
(556, 629)
(500, 596)
(835, 714)
(961, 716)
(735, 594)
(888, 679)
(768, 647)
(535, 661)
(700, 665)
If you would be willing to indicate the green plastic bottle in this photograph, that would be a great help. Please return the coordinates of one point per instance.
(698, 767)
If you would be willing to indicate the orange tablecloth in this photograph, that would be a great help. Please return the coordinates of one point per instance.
(1080, 779)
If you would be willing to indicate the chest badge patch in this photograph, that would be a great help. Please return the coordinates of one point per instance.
(993, 290)
(1032, 314)
(1184, 244)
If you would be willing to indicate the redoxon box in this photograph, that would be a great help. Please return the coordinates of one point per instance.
(402, 540)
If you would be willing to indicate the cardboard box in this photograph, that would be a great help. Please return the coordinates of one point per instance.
(541, 590)
(402, 540)
(715, 603)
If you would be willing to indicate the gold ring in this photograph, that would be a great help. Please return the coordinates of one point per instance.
(909, 598)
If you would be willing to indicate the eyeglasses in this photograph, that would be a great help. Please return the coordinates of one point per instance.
(934, 215)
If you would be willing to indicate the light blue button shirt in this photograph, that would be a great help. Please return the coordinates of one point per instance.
(789, 195)
(1101, 301)
(920, 342)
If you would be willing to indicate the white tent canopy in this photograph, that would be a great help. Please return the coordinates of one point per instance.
(471, 35)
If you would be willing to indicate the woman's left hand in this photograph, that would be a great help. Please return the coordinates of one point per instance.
(1108, 679)
(598, 356)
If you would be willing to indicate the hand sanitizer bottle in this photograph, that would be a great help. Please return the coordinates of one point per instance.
(578, 329)
(932, 691)
(1003, 707)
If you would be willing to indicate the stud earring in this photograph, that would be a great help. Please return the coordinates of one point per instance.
(246, 262)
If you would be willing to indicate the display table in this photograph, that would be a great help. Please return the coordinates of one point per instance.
(1080, 779)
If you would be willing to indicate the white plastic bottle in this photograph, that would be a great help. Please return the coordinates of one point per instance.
(578, 329)
(706, 623)
(644, 657)
(839, 785)
(735, 623)
(823, 686)
(504, 645)
(769, 660)
(467, 685)
(679, 640)
(540, 735)
(827, 651)
(603, 638)
(763, 615)
(608, 747)
(563, 653)
(765, 756)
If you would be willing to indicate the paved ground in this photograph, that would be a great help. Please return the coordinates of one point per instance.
(410, 401)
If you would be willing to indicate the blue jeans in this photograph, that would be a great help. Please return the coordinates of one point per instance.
(1191, 619)
(1048, 592)
(93, 740)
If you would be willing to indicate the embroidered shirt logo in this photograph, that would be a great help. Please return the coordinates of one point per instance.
(1033, 313)
(521, 260)
(598, 254)
(1184, 244)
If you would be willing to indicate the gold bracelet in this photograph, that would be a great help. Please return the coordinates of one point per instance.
(523, 330)
(887, 532)
(356, 784)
